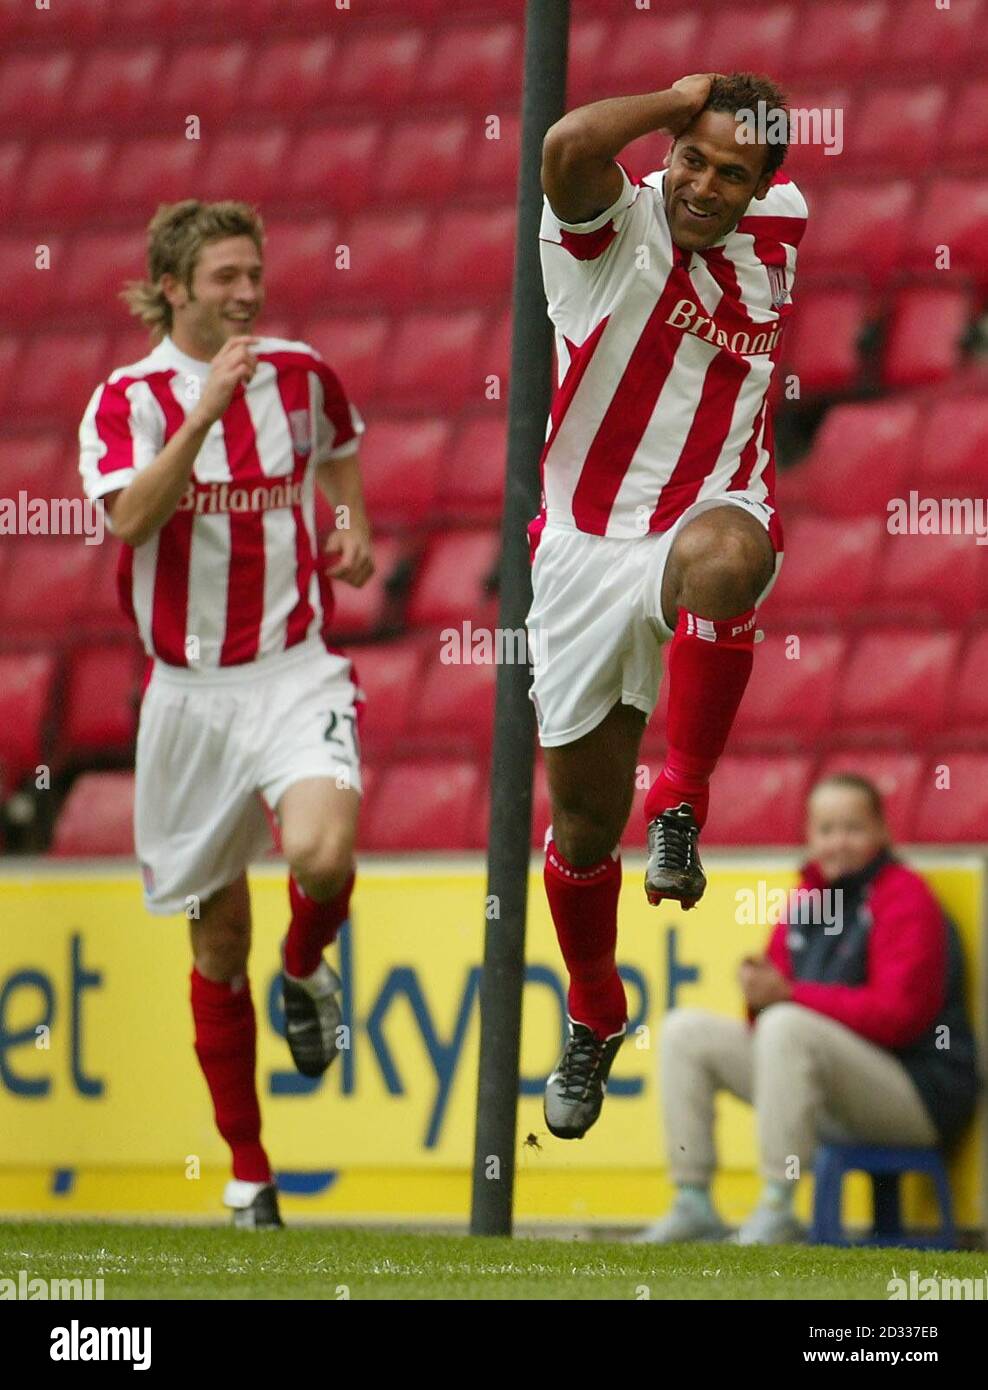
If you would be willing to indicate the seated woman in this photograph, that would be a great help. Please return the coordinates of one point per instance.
(857, 1028)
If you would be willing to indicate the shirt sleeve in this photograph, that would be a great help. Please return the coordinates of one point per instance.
(118, 436)
(339, 424)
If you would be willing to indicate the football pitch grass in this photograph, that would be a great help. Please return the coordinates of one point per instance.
(208, 1262)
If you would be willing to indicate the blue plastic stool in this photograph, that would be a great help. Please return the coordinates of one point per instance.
(884, 1166)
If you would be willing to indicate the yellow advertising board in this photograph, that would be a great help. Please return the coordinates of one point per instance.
(103, 1108)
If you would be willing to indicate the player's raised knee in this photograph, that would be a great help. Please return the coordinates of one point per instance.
(721, 564)
(321, 860)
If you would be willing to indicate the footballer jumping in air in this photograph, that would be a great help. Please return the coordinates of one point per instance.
(206, 454)
(668, 297)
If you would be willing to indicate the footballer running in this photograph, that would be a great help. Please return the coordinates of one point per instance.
(206, 455)
(668, 297)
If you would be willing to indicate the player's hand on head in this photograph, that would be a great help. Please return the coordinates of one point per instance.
(349, 556)
(695, 91)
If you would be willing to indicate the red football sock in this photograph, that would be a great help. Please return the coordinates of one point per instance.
(225, 1042)
(583, 903)
(710, 661)
(313, 927)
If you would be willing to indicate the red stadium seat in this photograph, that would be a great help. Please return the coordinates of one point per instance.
(807, 158)
(897, 130)
(791, 695)
(46, 583)
(292, 74)
(57, 375)
(823, 344)
(492, 161)
(27, 685)
(98, 610)
(65, 176)
(967, 710)
(930, 37)
(154, 169)
(756, 800)
(895, 684)
(247, 170)
(12, 156)
(472, 486)
(839, 37)
(422, 159)
(432, 362)
(925, 335)
(739, 37)
(452, 584)
(860, 230)
(474, 252)
(300, 263)
(954, 805)
(953, 447)
(115, 82)
(361, 612)
(389, 675)
(100, 707)
(337, 162)
(473, 62)
(31, 462)
(387, 251)
(827, 573)
(896, 775)
(423, 805)
(97, 817)
(968, 128)
(495, 354)
(96, 267)
(33, 85)
(930, 578)
(453, 706)
(378, 67)
(206, 80)
(646, 48)
(862, 455)
(11, 350)
(24, 289)
(952, 213)
(353, 347)
(400, 468)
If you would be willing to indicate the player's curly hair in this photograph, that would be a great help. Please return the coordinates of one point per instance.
(742, 91)
(176, 235)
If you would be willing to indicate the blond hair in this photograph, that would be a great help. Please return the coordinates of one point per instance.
(176, 235)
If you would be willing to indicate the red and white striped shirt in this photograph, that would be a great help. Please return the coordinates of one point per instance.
(233, 575)
(665, 357)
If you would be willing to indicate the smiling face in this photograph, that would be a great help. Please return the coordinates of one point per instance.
(843, 832)
(711, 180)
(226, 297)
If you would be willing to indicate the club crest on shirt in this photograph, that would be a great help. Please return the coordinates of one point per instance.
(301, 427)
(778, 286)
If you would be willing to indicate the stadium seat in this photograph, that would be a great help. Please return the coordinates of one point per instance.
(827, 573)
(292, 74)
(925, 335)
(952, 213)
(807, 158)
(362, 612)
(757, 800)
(897, 129)
(57, 374)
(894, 687)
(27, 687)
(337, 163)
(354, 347)
(65, 177)
(26, 291)
(97, 817)
(473, 62)
(152, 169)
(896, 775)
(379, 68)
(34, 86)
(452, 583)
(839, 37)
(862, 455)
(739, 37)
(473, 253)
(432, 362)
(97, 264)
(31, 462)
(300, 262)
(115, 83)
(99, 717)
(386, 258)
(10, 353)
(12, 157)
(967, 703)
(491, 167)
(968, 129)
(422, 160)
(953, 447)
(98, 612)
(400, 465)
(931, 37)
(930, 578)
(790, 698)
(389, 675)
(453, 703)
(208, 80)
(246, 170)
(860, 230)
(494, 360)
(645, 47)
(428, 804)
(822, 349)
(473, 476)
(47, 582)
(954, 804)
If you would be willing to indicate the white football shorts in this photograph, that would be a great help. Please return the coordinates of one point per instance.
(595, 628)
(211, 744)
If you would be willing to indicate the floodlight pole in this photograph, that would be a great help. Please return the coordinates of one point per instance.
(509, 845)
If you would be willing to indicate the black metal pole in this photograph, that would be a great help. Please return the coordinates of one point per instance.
(509, 845)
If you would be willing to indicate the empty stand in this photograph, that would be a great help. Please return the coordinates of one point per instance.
(27, 686)
(97, 817)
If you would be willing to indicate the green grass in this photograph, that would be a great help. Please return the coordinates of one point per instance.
(195, 1262)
